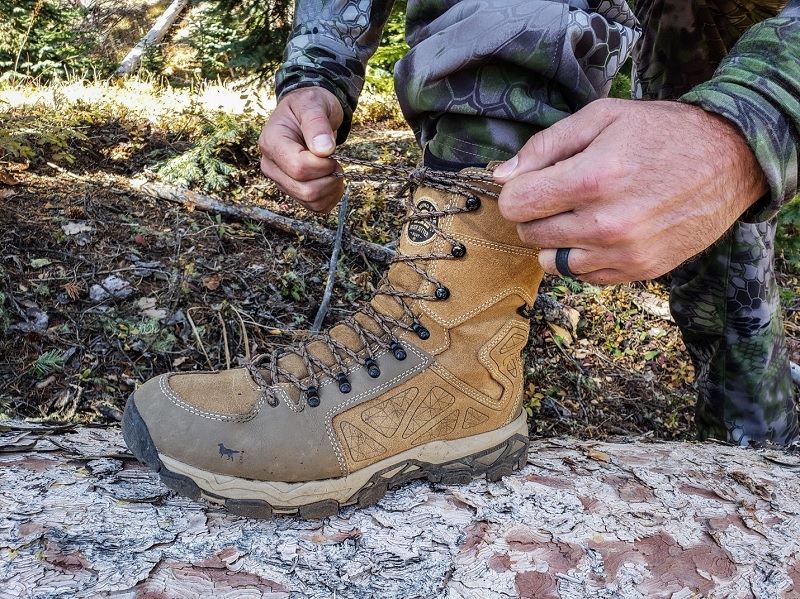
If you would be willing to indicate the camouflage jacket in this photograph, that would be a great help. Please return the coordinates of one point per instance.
(533, 62)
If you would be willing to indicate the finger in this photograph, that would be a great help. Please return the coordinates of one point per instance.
(560, 141)
(575, 261)
(318, 119)
(280, 145)
(579, 262)
(318, 195)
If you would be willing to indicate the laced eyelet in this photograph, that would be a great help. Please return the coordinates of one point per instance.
(458, 251)
(398, 351)
(421, 331)
(312, 397)
(344, 384)
(442, 293)
(272, 401)
(372, 368)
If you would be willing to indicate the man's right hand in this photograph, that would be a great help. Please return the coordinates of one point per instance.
(295, 145)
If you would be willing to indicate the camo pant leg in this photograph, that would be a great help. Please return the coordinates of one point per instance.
(726, 300)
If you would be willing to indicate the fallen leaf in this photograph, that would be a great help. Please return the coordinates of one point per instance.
(599, 456)
(8, 179)
(7, 193)
(564, 336)
(212, 282)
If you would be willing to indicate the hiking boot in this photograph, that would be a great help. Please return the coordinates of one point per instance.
(425, 381)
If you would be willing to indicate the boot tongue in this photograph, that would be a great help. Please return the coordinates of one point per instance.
(418, 237)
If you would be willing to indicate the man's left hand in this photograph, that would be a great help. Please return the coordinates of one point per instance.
(633, 188)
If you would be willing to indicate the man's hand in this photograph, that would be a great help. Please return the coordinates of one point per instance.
(295, 143)
(634, 188)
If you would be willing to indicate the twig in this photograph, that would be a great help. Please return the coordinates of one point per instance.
(197, 337)
(337, 246)
(198, 201)
(36, 10)
(224, 339)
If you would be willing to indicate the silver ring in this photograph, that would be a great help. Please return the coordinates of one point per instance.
(562, 263)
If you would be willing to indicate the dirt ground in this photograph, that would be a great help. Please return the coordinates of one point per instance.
(103, 287)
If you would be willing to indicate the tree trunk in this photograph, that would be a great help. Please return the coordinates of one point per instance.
(582, 519)
(130, 64)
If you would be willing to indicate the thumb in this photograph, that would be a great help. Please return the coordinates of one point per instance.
(560, 141)
(317, 124)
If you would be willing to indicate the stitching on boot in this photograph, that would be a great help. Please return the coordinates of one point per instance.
(486, 360)
(489, 302)
(467, 390)
(181, 403)
(337, 448)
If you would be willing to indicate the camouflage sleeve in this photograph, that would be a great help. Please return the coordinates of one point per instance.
(757, 86)
(329, 46)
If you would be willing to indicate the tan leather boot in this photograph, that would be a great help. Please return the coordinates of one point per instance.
(423, 382)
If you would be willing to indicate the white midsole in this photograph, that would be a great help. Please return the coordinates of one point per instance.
(340, 489)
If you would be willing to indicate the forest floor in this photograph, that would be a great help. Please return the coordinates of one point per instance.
(103, 287)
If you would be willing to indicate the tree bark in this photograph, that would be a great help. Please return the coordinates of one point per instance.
(582, 519)
(130, 64)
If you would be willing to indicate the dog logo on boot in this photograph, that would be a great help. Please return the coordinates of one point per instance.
(224, 452)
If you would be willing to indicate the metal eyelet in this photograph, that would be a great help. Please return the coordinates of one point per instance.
(312, 397)
(398, 351)
(344, 384)
(372, 368)
(421, 331)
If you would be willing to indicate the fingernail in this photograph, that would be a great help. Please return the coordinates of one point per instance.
(322, 143)
(505, 169)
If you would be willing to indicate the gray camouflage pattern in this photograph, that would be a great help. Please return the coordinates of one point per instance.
(482, 77)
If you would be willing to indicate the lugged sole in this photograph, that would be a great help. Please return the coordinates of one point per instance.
(491, 455)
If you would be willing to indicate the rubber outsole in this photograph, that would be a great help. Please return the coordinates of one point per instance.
(492, 463)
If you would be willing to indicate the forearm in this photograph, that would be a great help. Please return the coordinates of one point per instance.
(757, 87)
(330, 45)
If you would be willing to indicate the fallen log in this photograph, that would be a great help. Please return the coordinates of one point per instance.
(130, 64)
(582, 519)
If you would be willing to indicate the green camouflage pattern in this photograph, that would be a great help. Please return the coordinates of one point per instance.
(471, 98)
(726, 304)
(741, 61)
(482, 77)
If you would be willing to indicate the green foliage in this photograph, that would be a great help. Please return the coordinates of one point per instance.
(221, 139)
(242, 37)
(621, 86)
(47, 38)
(392, 48)
(787, 237)
(47, 363)
(38, 135)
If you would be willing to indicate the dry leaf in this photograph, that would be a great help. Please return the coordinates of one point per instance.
(599, 456)
(212, 282)
(7, 193)
(564, 336)
(8, 179)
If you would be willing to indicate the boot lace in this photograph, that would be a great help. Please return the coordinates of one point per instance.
(465, 183)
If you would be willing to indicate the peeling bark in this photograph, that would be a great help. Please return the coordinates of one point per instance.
(582, 520)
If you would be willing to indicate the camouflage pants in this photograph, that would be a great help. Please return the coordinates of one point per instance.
(467, 109)
(726, 300)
